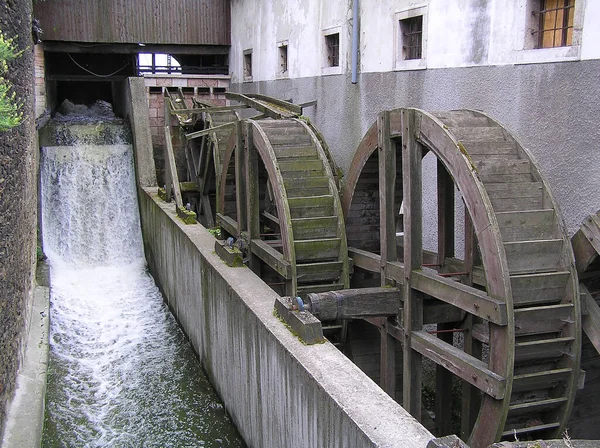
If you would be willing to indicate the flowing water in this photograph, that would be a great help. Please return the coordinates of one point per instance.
(121, 372)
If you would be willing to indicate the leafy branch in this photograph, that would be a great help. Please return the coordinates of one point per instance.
(10, 114)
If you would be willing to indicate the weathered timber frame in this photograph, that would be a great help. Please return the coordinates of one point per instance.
(493, 260)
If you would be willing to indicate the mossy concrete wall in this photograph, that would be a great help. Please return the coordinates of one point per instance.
(18, 205)
(279, 392)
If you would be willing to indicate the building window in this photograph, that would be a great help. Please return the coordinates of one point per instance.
(283, 59)
(411, 34)
(248, 65)
(332, 42)
(410, 39)
(556, 19)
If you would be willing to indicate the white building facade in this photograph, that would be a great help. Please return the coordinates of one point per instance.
(532, 64)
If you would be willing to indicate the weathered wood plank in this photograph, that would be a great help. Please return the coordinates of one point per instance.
(208, 131)
(228, 224)
(542, 319)
(465, 366)
(412, 154)
(463, 296)
(591, 320)
(355, 303)
(545, 349)
(272, 257)
(527, 225)
(539, 380)
(534, 256)
(538, 289)
(472, 135)
(320, 271)
(319, 227)
(317, 249)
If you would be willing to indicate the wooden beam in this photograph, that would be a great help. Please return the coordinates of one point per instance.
(204, 132)
(413, 255)
(253, 197)
(355, 303)
(275, 112)
(171, 168)
(387, 189)
(210, 109)
(294, 108)
(465, 366)
(272, 257)
(371, 262)
(463, 296)
(241, 195)
(228, 224)
(591, 320)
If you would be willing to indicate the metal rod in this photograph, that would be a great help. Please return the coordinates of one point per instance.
(452, 330)
(451, 274)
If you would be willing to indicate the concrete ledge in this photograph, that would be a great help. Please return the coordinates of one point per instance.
(278, 391)
(303, 324)
(25, 419)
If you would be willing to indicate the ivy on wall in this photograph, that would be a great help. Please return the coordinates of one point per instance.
(10, 115)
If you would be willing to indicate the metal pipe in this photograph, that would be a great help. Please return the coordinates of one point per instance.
(354, 40)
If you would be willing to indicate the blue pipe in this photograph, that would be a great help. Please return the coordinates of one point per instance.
(354, 41)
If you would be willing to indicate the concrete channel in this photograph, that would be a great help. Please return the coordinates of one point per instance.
(278, 391)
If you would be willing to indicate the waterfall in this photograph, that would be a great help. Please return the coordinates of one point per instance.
(121, 372)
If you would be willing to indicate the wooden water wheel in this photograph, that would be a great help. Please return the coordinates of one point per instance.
(504, 273)
(288, 210)
(204, 153)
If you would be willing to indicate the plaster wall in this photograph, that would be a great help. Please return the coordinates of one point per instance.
(456, 33)
(279, 392)
(551, 108)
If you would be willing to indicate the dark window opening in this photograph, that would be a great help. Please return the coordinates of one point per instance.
(412, 37)
(332, 41)
(283, 59)
(203, 90)
(155, 90)
(247, 65)
(219, 90)
(555, 23)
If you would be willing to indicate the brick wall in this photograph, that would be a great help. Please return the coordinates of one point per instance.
(209, 88)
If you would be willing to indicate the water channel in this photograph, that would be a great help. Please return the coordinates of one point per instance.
(122, 374)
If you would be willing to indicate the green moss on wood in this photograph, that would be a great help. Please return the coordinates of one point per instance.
(187, 216)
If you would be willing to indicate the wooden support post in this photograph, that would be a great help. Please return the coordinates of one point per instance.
(387, 187)
(387, 238)
(471, 398)
(252, 203)
(241, 194)
(445, 195)
(443, 389)
(413, 258)
(388, 360)
(443, 378)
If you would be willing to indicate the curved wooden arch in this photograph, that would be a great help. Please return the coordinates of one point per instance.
(314, 259)
(457, 139)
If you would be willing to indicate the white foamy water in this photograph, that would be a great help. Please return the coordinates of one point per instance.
(121, 373)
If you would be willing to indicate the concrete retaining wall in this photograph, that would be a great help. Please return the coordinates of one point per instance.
(279, 392)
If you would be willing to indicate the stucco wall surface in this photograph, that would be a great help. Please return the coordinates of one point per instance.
(279, 392)
(552, 108)
(456, 33)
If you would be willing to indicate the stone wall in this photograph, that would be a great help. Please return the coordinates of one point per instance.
(18, 209)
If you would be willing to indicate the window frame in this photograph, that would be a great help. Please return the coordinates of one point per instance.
(326, 68)
(400, 62)
(283, 72)
(526, 44)
(247, 73)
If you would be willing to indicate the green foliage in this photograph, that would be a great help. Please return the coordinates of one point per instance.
(10, 116)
